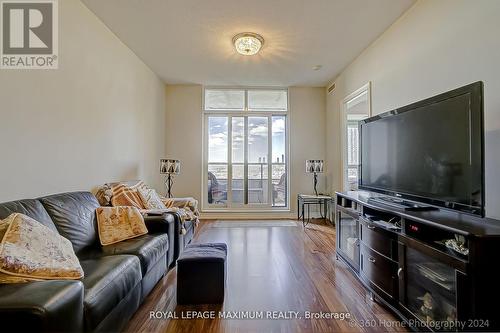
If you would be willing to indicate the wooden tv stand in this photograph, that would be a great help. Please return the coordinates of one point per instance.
(402, 257)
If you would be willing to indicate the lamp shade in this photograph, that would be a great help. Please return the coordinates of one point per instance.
(172, 167)
(314, 166)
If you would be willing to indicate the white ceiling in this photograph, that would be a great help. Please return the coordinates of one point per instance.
(189, 41)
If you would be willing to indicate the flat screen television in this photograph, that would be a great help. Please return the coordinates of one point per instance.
(430, 151)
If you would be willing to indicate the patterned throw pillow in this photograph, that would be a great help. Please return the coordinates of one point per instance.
(31, 251)
(126, 196)
(116, 224)
(151, 199)
(104, 194)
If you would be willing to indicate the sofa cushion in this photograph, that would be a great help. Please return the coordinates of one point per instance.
(46, 306)
(108, 280)
(148, 248)
(210, 252)
(30, 207)
(74, 217)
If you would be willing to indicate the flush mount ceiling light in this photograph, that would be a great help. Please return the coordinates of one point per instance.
(248, 43)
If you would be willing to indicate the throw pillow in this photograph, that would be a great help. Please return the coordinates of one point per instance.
(116, 224)
(31, 251)
(126, 196)
(104, 194)
(138, 184)
(151, 199)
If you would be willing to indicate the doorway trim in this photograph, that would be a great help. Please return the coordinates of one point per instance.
(366, 88)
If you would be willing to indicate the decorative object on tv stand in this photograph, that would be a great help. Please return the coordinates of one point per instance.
(314, 167)
(169, 167)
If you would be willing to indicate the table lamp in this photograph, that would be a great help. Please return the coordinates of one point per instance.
(314, 167)
(169, 167)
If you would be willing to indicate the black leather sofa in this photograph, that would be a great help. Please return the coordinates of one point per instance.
(180, 240)
(117, 277)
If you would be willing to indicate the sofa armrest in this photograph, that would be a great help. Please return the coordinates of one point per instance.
(178, 236)
(45, 306)
(164, 223)
(159, 222)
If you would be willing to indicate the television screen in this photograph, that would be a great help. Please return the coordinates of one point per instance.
(430, 151)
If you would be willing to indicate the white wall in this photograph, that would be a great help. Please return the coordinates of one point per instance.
(98, 118)
(185, 136)
(434, 47)
(307, 138)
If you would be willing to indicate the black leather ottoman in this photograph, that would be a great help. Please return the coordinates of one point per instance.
(201, 274)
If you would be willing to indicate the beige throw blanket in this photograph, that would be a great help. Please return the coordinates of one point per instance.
(128, 194)
(185, 208)
(190, 204)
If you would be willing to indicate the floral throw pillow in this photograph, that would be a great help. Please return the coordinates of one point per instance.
(31, 251)
(151, 199)
(116, 224)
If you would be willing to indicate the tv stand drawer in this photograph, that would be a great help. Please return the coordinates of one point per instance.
(378, 271)
(379, 239)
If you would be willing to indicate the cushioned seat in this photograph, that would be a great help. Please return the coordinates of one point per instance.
(108, 281)
(149, 248)
(210, 252)
(201, 274)
(45, 306)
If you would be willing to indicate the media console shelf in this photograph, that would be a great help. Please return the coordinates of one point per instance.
(436, 269)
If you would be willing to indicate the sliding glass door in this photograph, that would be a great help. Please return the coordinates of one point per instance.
(246, 157)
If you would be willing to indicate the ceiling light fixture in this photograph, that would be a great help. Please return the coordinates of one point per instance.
(248, 43)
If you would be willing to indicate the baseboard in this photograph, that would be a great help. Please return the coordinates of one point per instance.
(248, 216)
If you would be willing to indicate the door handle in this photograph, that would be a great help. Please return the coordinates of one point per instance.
(371, 259)
(369, 226)
(400, 270)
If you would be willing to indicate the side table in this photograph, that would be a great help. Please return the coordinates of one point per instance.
(306, 200)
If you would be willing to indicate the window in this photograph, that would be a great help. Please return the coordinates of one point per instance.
(356, 107)
(352, 153)
(224, 99)
(246, 159)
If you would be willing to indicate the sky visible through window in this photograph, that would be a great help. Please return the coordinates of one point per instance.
(217, 139)
(257, 139)
(279, 139)
(246, 180)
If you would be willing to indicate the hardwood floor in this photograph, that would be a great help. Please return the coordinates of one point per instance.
(284, 268)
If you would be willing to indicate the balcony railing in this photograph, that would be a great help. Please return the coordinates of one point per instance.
(257, 184)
